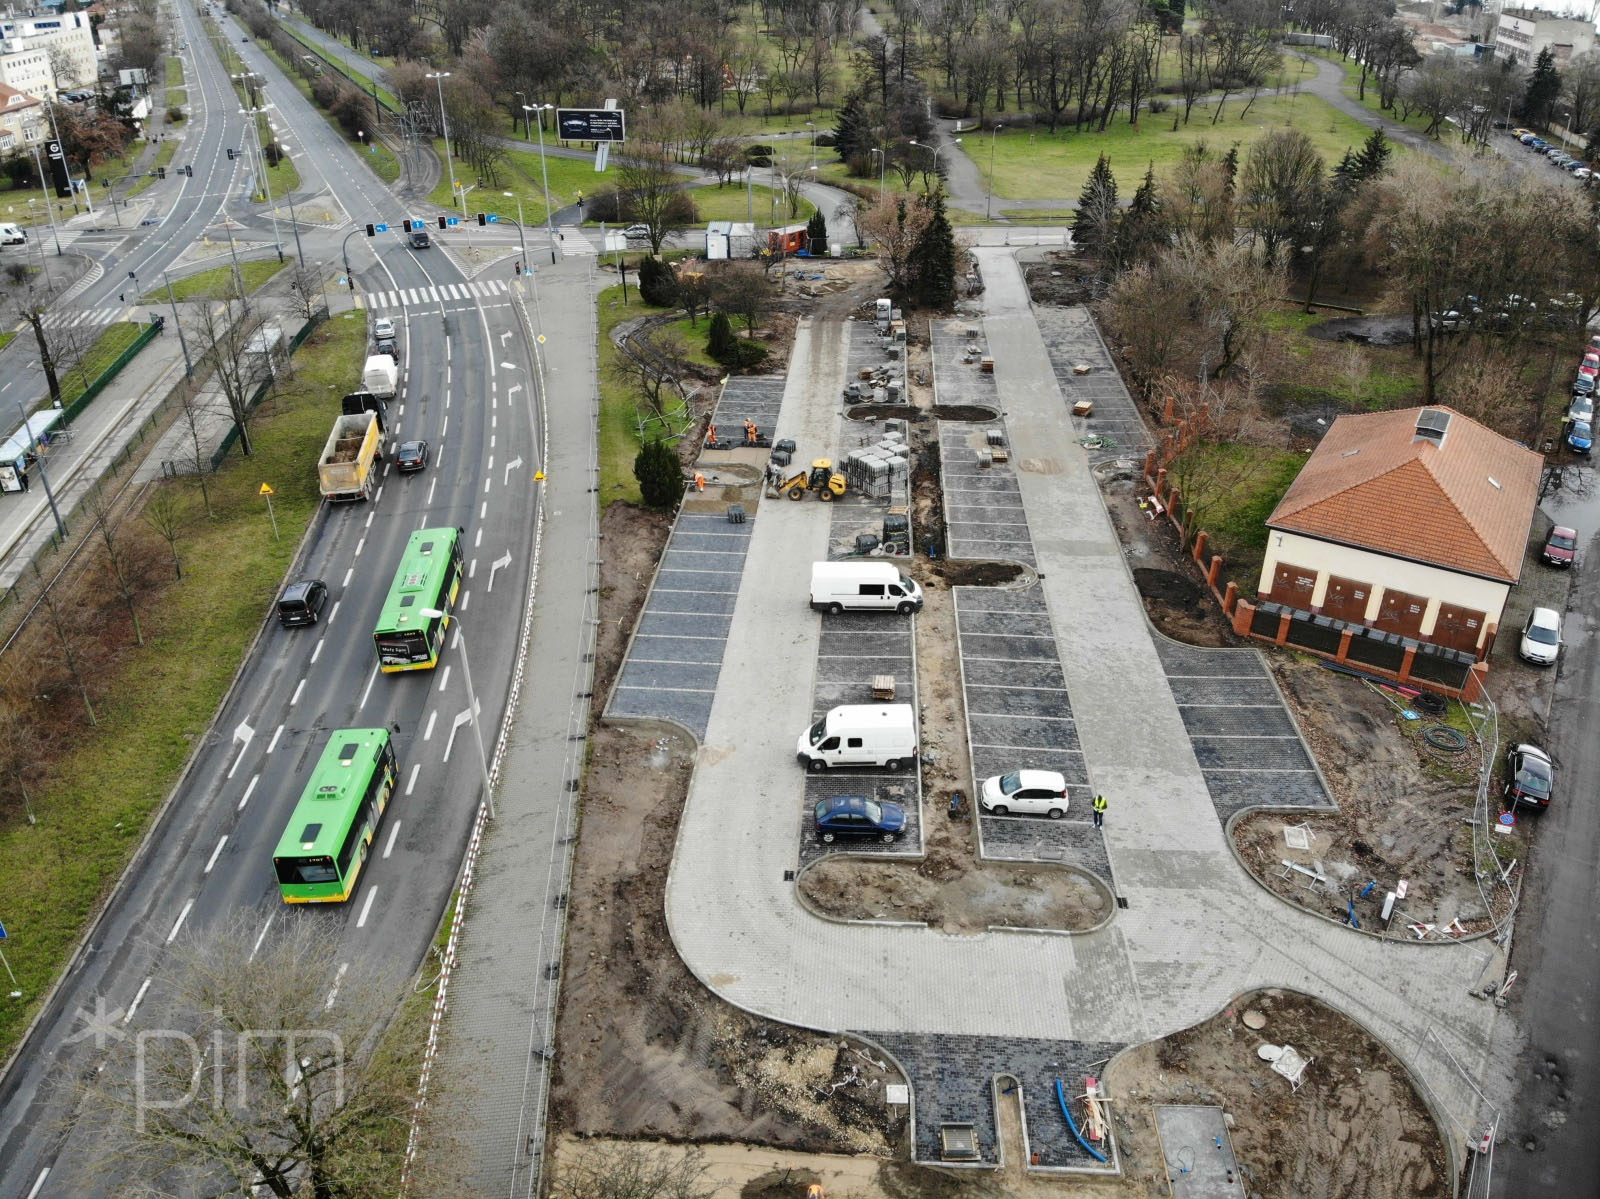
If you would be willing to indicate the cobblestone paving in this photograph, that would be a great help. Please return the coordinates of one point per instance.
(748, 397)
(1019, 716)
(957, 350)
(952, 1082)
(1244, 737)
(1071, 339)
(676, 655)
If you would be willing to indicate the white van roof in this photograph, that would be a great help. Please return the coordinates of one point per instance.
(889, 716)
(854, 570)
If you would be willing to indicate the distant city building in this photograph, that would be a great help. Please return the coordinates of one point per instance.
(21, 120)
(48, 53)
(1522, 34)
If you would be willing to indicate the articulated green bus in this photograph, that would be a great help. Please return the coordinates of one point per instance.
(320, 855)
(429, 577)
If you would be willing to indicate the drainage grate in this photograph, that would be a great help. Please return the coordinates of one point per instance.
(1122, 901)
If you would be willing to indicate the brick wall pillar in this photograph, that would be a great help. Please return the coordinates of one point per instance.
(1230, 597)
(1345, 638)
(1214, 572)
(1199, 550)
(1243, 612)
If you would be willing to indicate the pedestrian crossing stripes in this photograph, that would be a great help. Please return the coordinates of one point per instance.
(573, 241)
(414, 296)
(61, 318)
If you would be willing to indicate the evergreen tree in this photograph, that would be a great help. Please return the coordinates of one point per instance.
(817, 233)
(1544, 87)
(1141, 226)
(1373, 160)
(1095, 223)
(660, 477)
(850, 134)
(1230, 171)
(934, 260)
(657, 283)
(721, 344)
(1347, 173)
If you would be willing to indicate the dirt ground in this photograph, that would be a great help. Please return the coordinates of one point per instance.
(1356, 1129)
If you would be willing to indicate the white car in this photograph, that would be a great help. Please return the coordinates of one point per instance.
(636, 232)
(1025, 793)
(1582, 408)
(1541, 637)
(383, 329)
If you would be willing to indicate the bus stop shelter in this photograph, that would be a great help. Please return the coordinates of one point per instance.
(17, 454)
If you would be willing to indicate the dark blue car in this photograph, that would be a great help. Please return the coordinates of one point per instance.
(857, 816)
(1580, 437)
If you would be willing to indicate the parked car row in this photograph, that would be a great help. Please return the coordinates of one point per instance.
(1580, 412)
(1500, 313)
(1558, 156)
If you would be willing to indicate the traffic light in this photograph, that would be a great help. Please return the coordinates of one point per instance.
(230, 154)
(189, 172)
(161, 172)
(483, 219)
(371, 232)
(444, 223)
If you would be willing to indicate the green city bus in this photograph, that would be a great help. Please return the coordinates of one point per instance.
(320, 855)
(429, 577)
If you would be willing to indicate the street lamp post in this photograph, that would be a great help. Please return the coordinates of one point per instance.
(813, 126)
(472, 700)
(993, 137)
(544, 171)
(260, 157)
(45, 188)
(188, 366)
(294, 219)
(438, 78)
(954, 141)
(521, 240)
(522, 100)
(44, 476)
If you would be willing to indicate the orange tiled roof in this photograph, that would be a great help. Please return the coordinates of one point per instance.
(1464, 504)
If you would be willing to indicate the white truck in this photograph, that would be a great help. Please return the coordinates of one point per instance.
(862, 587)
(345, 471)
(381, 377)
(860, 735)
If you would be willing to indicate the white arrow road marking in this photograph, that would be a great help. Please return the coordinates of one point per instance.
(503, 337)
(243, 733)
(461, 719)
(502, 561)
(514, 464)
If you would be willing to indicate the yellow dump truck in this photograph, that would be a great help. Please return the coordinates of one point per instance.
(346, 469)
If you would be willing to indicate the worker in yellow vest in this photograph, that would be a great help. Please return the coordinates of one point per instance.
(1099, 811)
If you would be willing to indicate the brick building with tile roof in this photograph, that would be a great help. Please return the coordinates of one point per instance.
(1403, 533)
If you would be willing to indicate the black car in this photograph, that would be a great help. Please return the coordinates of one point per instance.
(1530, 777)
(302, 603)
(412, 455)
(856, 816)
(387, 346)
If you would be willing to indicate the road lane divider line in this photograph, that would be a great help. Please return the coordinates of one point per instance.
(261, 936)
(394, 831)
(472, 569)
(434, 482)
(359, 545)
(379, 496)
(316, 651)
(432, 716)
(215, 854)
(298, 688)
(444, 678)
(334, 612)
(455, 727)
(337, 979)
(178, 923)
(412, 781)
(38, 1183)
(137, 997)
(348, 574)
(368, 689)
(372, 893)
(466, 596)
(273, 744)
(370, 515)
(254, 779)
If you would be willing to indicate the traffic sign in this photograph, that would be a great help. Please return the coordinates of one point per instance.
(380, 228)
(453, 221)
(591, 124)
(266, 489)
(491, 217)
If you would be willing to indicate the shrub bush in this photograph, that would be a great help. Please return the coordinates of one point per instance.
(748, 354)
(758, 151)
(657, 284)
(174, 115)
(659, 474)
(1159, 106)
(720, 341)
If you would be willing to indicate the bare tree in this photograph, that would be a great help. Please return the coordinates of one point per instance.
(261, 1066)
(70, 649)
(21, 751)
(895, 226)
(305, 292)
(1281, 183)
(168, 515)
(742, 289)
(652, 375)
(120, 555)
(228, 327)
(648, 185)
(634, 1172)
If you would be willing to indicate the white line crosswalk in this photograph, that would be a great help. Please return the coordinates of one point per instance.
(63, 317)
(573, 241)
(414, 296)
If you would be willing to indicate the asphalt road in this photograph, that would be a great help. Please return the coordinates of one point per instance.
(467, 389)
(1549, 1146)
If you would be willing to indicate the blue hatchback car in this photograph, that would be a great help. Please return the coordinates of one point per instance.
(1580, 436)
(857, 816)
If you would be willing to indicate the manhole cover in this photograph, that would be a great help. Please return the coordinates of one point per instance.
(1297, 836)
(1254, 1019)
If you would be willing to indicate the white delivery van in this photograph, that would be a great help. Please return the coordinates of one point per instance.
(861, 735)
(380, 376)
(862, 586)
(12, 235)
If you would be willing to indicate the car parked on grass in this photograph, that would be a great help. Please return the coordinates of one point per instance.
(858, 816)
(1541, 637)
(1025, 793)
(1530, 776)
(1561, 546)
(410, 456)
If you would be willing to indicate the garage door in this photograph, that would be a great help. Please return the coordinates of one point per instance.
(1401, 613)
(1458, 628)
(1346, 600)
(1292, 586)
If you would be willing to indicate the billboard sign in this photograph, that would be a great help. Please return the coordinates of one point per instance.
(58, 169)
(590, 124)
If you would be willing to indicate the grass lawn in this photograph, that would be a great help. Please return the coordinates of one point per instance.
(1352, 84)
(1031, 164)
(213, 282)
(693, 340)
(177, 96)
(619, 443)
(364, 81)
(520, 175)
(101, 353)
(7, 338)
(1234, 488)
(174, 71)
(163, 158)
(93, 806)
(730, 203)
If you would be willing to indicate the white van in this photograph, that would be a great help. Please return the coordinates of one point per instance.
(862, 586)
(861, 735)
(12, 235)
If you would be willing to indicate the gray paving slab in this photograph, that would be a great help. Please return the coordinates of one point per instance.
(675, 657)
(1199, 1152)
(748, 397)
(1196, 930)
(983, 512)
(957, 349)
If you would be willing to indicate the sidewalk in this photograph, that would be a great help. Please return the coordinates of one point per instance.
(1196, 930)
